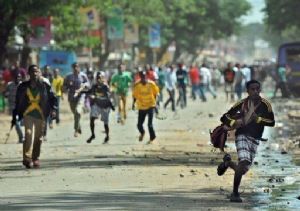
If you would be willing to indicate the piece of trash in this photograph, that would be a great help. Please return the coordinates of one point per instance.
(164, 159)
(279, 124)
(289, 180)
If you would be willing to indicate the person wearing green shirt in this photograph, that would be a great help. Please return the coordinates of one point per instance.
(121, 82)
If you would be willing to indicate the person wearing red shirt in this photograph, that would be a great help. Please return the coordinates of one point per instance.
(195, 82)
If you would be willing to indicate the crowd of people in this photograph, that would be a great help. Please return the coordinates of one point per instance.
(34, 97)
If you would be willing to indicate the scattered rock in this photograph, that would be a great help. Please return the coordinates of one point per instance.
(181, 175)
(193, 171)
(294, 114)
(126, 152)
(255, 163)
(298, 197)
(283, 152)
(206, 175)
(267, 190)
(210, 115)
(283, 190)
(276, 161)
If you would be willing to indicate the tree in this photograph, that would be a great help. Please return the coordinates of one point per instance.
(17, 13)
(282, 21)
(191, 23)
(67, 21)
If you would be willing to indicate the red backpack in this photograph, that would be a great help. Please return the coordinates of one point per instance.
(218, 137)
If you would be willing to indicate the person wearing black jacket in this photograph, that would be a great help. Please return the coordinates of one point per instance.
(100, 105)
(249, 117)
(35, 102)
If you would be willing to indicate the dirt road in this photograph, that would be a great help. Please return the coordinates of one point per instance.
(178, 172)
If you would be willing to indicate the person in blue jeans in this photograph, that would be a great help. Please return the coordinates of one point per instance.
(10, 93)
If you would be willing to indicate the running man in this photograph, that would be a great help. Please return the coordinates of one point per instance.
(10, 93)
(121, 82)
(144, 95)
(74, 84)
(57, 86)
(100, 105)
(249, 117)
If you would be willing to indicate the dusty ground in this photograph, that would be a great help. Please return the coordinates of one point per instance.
(178, 172)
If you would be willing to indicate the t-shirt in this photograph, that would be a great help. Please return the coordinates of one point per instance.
(239, 76)
(101, 93)
(229, 75)
(11, 91)
(181, 77)
(161, 79)
(57, 85)
(145, 95)
(194, 76)
(73, 82)
(121, 82)
(282, 74)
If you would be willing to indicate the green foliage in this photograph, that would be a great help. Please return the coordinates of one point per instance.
(282, 14)
(188, 22)
(282, 21)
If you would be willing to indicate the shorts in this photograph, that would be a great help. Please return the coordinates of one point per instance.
(96, 111)
(246, 147)
(228, 87)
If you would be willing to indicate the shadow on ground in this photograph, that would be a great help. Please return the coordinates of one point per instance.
(152, 158)
(204, 199)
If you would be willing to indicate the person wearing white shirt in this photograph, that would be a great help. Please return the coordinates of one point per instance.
(206, 80)
(171, 86)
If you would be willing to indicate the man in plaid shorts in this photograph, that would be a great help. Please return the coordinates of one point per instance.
(249, 117)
